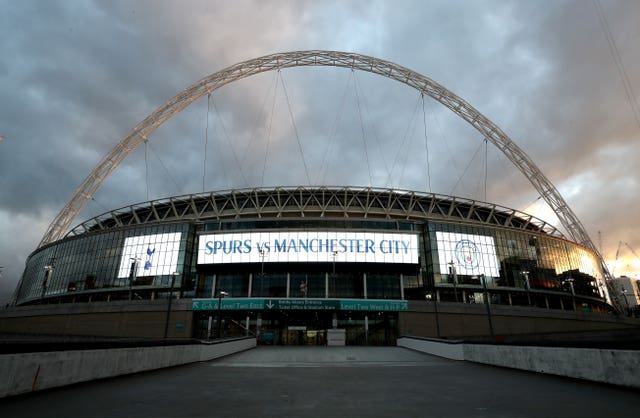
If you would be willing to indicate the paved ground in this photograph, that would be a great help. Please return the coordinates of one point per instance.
(336, 382)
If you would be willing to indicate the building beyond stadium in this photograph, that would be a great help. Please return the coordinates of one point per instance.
(290, 263)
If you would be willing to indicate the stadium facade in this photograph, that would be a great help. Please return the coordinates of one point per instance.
(290, 263)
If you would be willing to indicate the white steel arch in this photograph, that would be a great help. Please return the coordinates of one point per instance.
(481, 123)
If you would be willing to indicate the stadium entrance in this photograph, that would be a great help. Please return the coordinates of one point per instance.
(291, 321)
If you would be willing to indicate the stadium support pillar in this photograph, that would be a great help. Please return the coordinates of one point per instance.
(326, 285)
(364, 284)
(288, 285)
(366, 330)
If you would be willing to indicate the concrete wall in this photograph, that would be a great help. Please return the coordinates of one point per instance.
(147, 319)
(27, 372)
(450, 350)
(457, 320)
(617, 367)
(137, 319)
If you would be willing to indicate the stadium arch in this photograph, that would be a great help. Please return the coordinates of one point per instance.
(142, 131)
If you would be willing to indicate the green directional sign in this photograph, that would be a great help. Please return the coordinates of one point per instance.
(373, 305)
(299, 304)
(302, 304)
(228, 304)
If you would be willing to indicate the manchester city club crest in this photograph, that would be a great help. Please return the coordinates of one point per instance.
(468, 254)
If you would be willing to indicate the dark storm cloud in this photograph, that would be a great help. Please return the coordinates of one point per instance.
(77, 76)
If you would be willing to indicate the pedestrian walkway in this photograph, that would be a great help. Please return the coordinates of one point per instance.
(288, 382)
(268, 356)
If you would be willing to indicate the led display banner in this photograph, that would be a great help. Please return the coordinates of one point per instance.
(155, 255)
(470, 254)
(308, 247)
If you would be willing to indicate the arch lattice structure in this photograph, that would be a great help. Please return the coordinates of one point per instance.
(460, 107)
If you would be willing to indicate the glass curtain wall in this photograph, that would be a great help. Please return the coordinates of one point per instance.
(508, 259)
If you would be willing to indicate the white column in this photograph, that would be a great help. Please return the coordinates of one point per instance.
(402, 287)
(326, 285)
(366, 329)
(246, 326)
(250, 284)
(209, 327)
(213, 285)
(364, 283)
(288, 284)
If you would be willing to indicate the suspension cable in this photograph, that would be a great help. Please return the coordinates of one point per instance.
(615, 53)
(531, 204)
(366, 152)
(226, 135)
(266, 153)
(452, 156)
(466, 168)
(482, 179)
(167, 172)
(254, 134)
(486, 166)
(333, 133)
(426, 141)
(372, 124)
(295, 128)
(404, 140)
(206, 141)
(100, 204)
(146, 166)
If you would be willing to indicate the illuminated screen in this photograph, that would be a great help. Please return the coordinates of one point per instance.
(156, 255)
(471, 254)
(308, 247)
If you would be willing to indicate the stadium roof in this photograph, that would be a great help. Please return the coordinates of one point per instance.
(314, 202)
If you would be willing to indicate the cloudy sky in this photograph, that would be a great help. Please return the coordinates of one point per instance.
(76, 76)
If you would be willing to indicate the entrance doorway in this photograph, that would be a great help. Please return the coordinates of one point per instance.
(299, 327)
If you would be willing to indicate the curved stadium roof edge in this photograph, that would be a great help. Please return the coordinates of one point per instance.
(314, 202)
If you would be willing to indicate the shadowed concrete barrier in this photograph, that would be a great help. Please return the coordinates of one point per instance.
(617, 367)
(27, 372)
(453, 350)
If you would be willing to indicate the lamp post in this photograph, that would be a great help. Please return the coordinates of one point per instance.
(573, 292)
(487, 304)
(173, 283)
(452, 270)
(133, 274)
(48, 270)
(221, 294)
(626, 301)
(525, 273)
(334, 255)
(263, 254)
(429, 296)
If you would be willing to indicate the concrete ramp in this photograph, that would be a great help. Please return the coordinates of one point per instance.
(328, 357)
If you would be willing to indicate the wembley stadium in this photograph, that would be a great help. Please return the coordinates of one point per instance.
(290, 263)
(305, 264)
